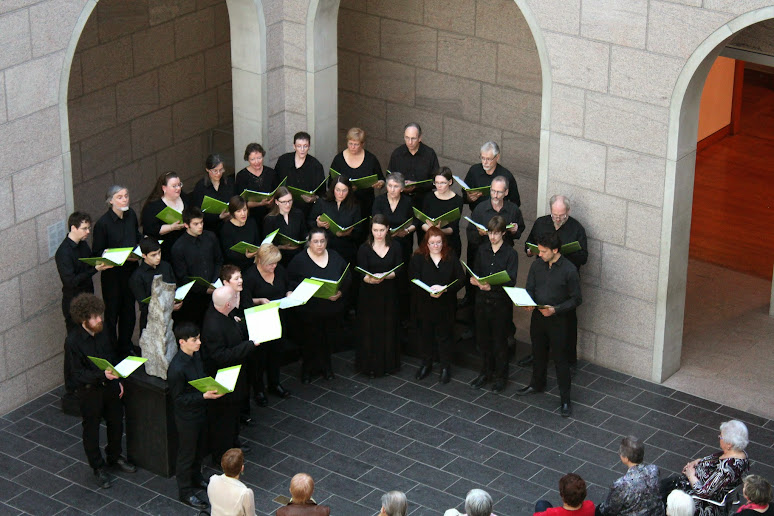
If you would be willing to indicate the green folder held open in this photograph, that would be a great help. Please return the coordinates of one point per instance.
(268, 239)
(334, 227)
(180, 293)
(565, 249)
(115, 257)
(210, 205)
(124, 368)
(498, 278)
(424, 286)
(329, 287)
(203, 282)
(263, 322)
(521, 297)
(302, 293)
(252, 196)
(243, 247)
(224, 382)
(449, 216)
(361, 182)
(378, 275)
(137, 252)
(402, 226)
(298, 192)
(286, 240)
(467, 188)
(483, 227)
(169, 216)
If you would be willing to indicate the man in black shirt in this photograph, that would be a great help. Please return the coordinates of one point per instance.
(482, 174)
(196, 253)
(142, 279)
(554, 285)
(190, 414)
(569, 230)
(99, 392)
(118, 228)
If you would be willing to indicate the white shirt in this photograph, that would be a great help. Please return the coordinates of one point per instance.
(230, 497)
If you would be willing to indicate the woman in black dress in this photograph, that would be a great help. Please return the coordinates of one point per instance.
(214, 184)
(378, 350)
(355, 162)
(342, 207)
(435, 264)
(238, 228)
(168, 191)
(301, 170)
(320, 318)
(258, 178)
(290, 222)
(444, 200)
(264, 282)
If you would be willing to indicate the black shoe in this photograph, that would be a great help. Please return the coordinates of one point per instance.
(499, 386)
(260, 399)
(445, 376)
(479, 381)
(123, 464)
(566, 409)
(245, 420)
(195, 502)
(527, 390)
(526, 361)
(423, 372)
(102, 478)
(306, 378)
(329, 375)
(280, 391)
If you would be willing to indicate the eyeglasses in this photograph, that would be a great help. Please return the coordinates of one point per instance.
(217, 170)
(488, 160)
(496, 192)
(179, 185)
(721, 437)
(435, 244)
(559, 217)
(284, 202)
(410, 139)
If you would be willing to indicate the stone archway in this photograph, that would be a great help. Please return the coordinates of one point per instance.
(678, 192)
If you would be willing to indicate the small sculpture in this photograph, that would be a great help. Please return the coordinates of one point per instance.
(158, 341)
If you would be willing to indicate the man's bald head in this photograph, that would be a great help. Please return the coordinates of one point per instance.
(222, 296)
(301, 487)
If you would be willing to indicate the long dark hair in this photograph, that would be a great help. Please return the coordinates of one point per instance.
(157, 192)
(382, 220)
(350, 200)
(424, 249)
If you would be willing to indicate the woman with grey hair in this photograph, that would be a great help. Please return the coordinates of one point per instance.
(394, 503)
(637, 492)
(757, 491)
(679, 504)
(118, 227)
(477, 503)
(709, 479)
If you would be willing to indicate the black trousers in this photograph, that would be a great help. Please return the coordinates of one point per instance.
(223, 424)
(432, 335)
(549, 334)
(120, 315)
(97, 403)
(493, 320)
(264, 360)
(318, 334)
(191, 449)
(572, 336)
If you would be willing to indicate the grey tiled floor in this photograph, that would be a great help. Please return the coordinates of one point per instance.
(359, 437)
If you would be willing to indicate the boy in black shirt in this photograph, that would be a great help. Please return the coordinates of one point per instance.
(142, 279)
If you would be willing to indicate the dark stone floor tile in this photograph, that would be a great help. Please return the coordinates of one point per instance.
(261, 477)
(455, 389)
(660, 403)
(335, 401)
(669, 462)
(515, 466)
(695, 400)
(384, 439)
(586, 396)
(761, 435)
(342, 443)
(461, 409)
(306, 392)
(462, 486)
(9, 489)
(594, 454)
(264, 455)
(549, 439)
(379, 478)
(13, 445)
(592, 473)
(433, 499)
(300, 428)
(514, 506)
(387, 383)
(163, 506)
(423, 433)
(554, 460)
(616, 389)
(23, 426)
(128, 493)
(300, 408)
(760, 453)
(85, 499)
(42, 481)
(624, 427)
(49, 460)
(548, 478)
(344, 465)
(675, 425)
(52, 416)
(476, 472)
(292, 465)
(703, 434)
(509, 444)
(469, 449)
(741, 415)
(703, 417)
(590, 434)
(430, 476)
(522, 489)
(422, 413)
(419, 394)
(118, 509)
(427, 455)
(165, 486)
(607, 373)
(341, 423)
(380, 399)
(381, 418)
(650, 386)
(668, 441)
(343, 507)
(10, 466)
(30, 407)
(504, 424)
(508, 406)
(544, 418)
(72, 511)
(265, 435)
(344, 386)
(297, 447)
(596, 494)
(466, 429)
(619, 407)
(267, 416)
(344, 487)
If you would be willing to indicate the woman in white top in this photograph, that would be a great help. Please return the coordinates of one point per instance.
(228, 495)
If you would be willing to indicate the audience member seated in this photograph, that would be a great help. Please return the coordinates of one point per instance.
(228, 495)
(757, 491)
(637, 492)
(394, 503)
(679, 503)
(477, 503)
(572, 489)
(710, 478)
(301, 502)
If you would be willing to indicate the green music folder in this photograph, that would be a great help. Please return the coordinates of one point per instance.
(329, 287)
(169, 216)
(378, 275)
(361, 182)
(263, 322)
(498, 278)
(210, 205)
(424, 286)
(298, 192)
(115, 257)
(268, 239)
(532, 247)
(180, 293)
(252, 196)
(449, 216)
(570, 248)
(124, 368)
(521, 297)
(203, 282)
(286, 240)
(334, 227)
(224, 382)
(467, 188)
(482, 227)
(243, 247)
(405, 225)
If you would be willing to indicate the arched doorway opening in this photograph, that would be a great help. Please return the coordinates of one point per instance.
(676, 222)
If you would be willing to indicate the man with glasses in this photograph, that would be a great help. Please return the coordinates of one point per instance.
(482, 174)
(569, 230)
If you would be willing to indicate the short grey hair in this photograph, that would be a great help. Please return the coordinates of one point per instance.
(114, 189)
(492, 147)
(556, 198)
(501, 179)
(394, 503)
(397, 177)
(734, 432)
(415, 126)
(478, 503)
(679, 503)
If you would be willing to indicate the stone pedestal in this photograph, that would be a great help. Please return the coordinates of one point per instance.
(151, 436)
